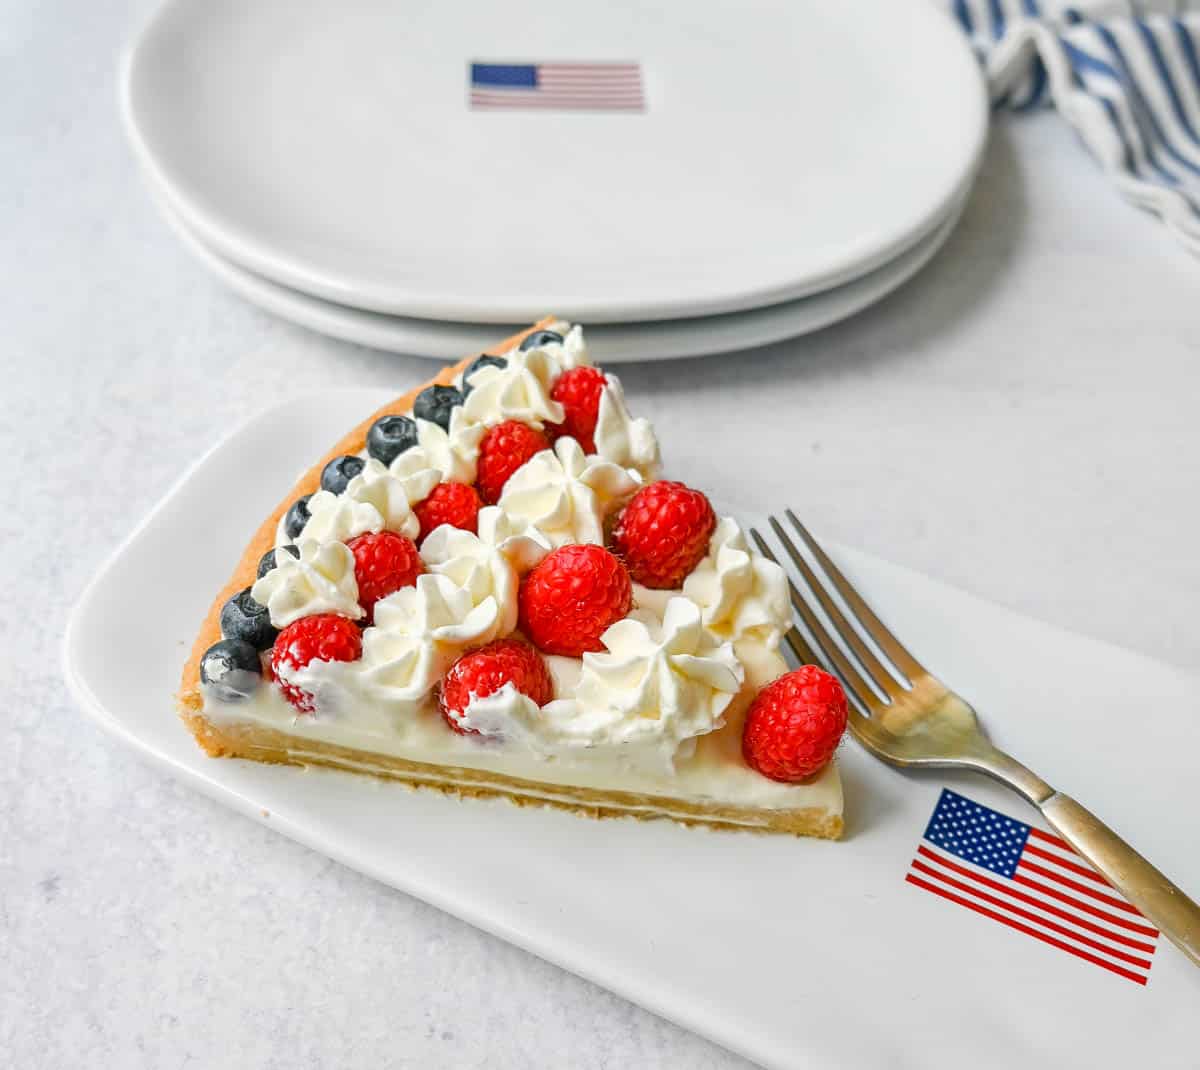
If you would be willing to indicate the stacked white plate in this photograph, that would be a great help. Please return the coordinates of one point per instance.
(792, 162)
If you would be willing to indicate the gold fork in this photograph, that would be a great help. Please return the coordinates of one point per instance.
(905, 715)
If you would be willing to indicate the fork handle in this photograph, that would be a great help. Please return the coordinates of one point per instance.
(1166, 905)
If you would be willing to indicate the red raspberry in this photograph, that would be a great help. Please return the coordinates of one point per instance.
(503, 450)
(384, 562)
(455, 504)
(323, 637)
(663, 533)
(794, 724)
(578, 391)
(570, 599)
(484, 671)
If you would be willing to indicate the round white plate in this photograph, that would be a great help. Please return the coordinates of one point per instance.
(610, 343)
(785, 148)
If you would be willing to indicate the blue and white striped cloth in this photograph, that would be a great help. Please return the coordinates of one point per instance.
(1124, 73)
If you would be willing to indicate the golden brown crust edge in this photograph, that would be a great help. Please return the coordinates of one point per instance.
(190, 701)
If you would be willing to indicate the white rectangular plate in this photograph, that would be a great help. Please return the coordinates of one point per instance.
(793, 952)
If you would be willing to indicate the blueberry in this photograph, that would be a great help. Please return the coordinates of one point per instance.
(267, 561)
(245, 619)
(542, 338)
(390, 436)
(480, 362)
(297, 517)
(435, 403)
(231, 670)
(338, 473)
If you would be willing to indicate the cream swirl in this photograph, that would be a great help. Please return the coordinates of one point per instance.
(741, 594)
(622, 439)
(567, 495)
(374, 500)
(452, 454)
(660, 678)
(320, 580)
(506, 714)
(418, 633)
(572, 351)
(487, 565)
(518, 391)
(660, 683)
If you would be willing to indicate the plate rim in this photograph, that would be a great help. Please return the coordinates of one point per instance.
(731, 1032)
(343, 321)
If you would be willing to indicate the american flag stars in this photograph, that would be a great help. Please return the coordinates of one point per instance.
(1031, 882)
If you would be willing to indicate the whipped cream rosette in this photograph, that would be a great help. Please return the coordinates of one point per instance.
(518, 391)
(660, 682)
(376, 499)
(741, 594)
(572, 351)
(320, 580)
(620, 438)
(566, 494)
(452, 454)
(418, 632)
(487, 565)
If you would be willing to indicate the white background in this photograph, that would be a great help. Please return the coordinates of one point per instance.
(1019, 420)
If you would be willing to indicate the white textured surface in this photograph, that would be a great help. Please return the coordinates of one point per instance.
(1019, 420)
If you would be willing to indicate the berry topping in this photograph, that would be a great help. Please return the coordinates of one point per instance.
(245, 619)
(231, 670)
(570, 599)
(297, 517)
(383, 563)
(578, 392)
(486, 361)
(794, 724)
(436, 403)
(663, 533)
(542, 338)
(324, 637)
(336, 475)
(455, 504)
(503, 450)
(484, 671)
(267, 561)
(390, 436)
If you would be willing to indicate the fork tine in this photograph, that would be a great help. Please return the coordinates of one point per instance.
(876, 671)
(871, 624)
(830, 651)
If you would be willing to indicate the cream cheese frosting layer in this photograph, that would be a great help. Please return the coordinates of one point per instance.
(713, 770)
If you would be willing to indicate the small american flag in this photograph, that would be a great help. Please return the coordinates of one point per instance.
(557, 86)
(1032, 882)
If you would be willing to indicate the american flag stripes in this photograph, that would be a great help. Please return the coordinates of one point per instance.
(557, 86)
(1033, 883)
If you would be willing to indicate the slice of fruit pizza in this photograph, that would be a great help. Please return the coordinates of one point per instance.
(488, 589)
